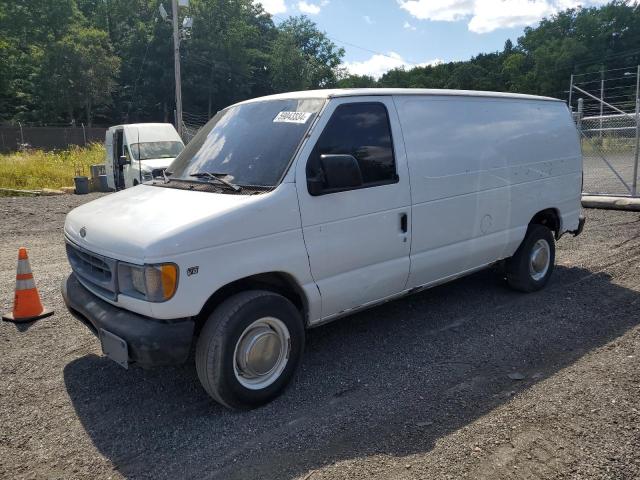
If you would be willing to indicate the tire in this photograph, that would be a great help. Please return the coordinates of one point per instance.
(135, 183)
(526, 270)
(253, 321)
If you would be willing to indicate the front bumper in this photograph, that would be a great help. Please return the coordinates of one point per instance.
(149, 342)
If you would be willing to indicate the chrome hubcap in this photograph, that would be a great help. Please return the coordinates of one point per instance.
(261, 353)
(539, 259)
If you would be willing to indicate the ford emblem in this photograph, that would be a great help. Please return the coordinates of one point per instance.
(83, 232)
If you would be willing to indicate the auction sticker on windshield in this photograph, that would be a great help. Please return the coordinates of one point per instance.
(292, 117)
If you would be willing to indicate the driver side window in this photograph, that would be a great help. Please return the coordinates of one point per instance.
(363, 131)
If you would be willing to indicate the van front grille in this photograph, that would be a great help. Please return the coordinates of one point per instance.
(95, 272)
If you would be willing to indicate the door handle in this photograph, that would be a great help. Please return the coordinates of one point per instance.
(404, 222)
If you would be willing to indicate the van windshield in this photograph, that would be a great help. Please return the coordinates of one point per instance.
(152, 150)
(250, 144)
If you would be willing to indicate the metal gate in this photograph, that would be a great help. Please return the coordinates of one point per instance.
(606, 114)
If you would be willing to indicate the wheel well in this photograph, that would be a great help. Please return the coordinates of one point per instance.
(550, 219)
(277, 282)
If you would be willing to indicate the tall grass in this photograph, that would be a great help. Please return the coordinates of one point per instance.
(36, 169)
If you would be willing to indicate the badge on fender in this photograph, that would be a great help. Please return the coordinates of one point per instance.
(192, 270)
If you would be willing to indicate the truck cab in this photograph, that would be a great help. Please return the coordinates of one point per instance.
(138, 152)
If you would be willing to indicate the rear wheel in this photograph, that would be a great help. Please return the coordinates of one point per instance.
(530, 268)
(249, 349)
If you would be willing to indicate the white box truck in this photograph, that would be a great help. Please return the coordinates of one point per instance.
(289, 211)
(138, 152)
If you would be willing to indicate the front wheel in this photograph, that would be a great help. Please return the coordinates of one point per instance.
(249, 349)
(530, 268)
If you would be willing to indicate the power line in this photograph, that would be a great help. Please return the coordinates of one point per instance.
(144, 59)
(601, 71)
(631, 75)
(333, 39)
(596, 60)
(373, 51)
(630, 86)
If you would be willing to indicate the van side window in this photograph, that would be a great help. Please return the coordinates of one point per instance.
(363, 131)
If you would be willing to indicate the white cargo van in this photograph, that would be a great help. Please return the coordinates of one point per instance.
(139, 152)
(289, 211)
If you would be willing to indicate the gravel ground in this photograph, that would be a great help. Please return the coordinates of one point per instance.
(467, 380)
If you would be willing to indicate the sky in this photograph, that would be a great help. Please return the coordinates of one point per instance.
(379, 35)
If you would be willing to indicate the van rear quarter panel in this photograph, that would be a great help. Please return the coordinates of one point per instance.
(480, 169)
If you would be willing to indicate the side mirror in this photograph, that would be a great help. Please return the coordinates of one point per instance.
(315, 186)
(122, 161)
(341, 171)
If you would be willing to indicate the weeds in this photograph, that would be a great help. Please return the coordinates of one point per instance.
(36, 169)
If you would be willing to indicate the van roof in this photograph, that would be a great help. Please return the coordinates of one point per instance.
(353, 92)
(143, 125)
(149, 132)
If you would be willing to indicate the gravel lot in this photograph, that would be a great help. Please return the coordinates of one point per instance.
(419, 388)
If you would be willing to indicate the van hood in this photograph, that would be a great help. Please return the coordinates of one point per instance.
(150, 223)
(153, 163)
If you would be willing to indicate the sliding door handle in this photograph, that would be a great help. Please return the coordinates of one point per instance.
(404, 223)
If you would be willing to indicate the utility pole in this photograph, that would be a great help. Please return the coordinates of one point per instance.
(176, 61)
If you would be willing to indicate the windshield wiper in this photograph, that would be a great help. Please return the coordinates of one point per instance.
(214, 176)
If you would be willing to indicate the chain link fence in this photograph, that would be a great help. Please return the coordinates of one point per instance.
(189, 131)
(191, 124)
(14, 138)
(609, 149)
(605, 106)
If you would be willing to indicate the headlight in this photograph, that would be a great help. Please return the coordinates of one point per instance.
(154, 283)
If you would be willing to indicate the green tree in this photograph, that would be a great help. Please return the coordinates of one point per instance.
(112, 60)
(582, 40)
(508, 46)
(304, 40)
(27, 29)
(78, 72)
(355, 81)
(469, 76)
(226, 58)
(289, 68)
(514, 72)
(143, 42)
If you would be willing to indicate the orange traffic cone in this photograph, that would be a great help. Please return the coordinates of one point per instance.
(26, 303)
